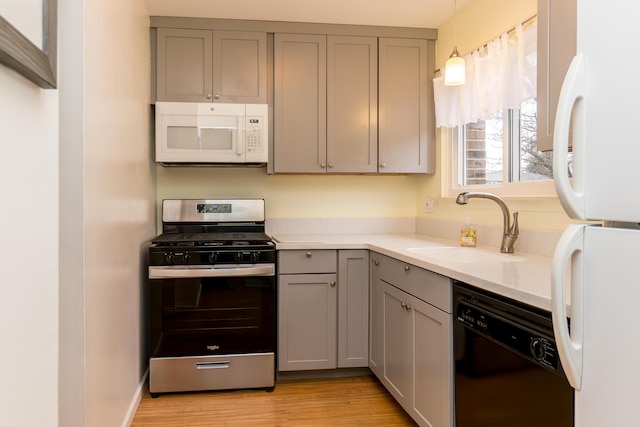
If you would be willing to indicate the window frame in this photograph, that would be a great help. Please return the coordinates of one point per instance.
(452, 176)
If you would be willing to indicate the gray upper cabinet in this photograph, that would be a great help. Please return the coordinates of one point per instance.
(406, 141)
(194, 65)
(325, 104)
(300, 109)
(352, 104)
(344, 99)
(556, 48)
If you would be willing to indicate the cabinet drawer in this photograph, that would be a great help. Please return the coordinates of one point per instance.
(306, 262)
(423, 284)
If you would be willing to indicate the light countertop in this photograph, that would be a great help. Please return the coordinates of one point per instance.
(527, 279)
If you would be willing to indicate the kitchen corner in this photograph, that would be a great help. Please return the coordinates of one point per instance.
(526, 280)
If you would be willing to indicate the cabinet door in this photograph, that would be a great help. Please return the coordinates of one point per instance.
(557, 33)
(353, 308)
(352, 104)
(432, 402)
(307, 317)
(396, 348)
(183, 65)
(406, 141)
(375, 317)
(240, 67)
(300, 103)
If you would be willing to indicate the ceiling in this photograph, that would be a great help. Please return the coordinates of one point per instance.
(395, 13)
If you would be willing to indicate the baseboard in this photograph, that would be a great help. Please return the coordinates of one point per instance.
(328, 373)
(135, 401)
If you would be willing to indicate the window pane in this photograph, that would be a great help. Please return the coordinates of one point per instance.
(482, 151)
(534, 165)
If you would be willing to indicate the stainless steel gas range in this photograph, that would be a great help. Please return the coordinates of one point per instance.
(212, 297)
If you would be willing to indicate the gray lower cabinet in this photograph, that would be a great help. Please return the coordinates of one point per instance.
(325, 104)
(353, 308)
(322, 309)
(375, 314)
(197, 65)
(413, 340)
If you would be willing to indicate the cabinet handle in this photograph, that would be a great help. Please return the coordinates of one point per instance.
(406, 268)
(382, 165)
(323, 165)
(407, 307)
(333, 283)
(403, 305)
(308, 254)
(330, 165)
(208, 96)
(376, 263)
(216, 96)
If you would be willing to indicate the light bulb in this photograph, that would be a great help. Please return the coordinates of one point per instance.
(454, 69)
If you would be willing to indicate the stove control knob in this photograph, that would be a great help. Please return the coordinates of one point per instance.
(255, 256)
(169, 257)
(213, 257)
(186, 258)
(238, 256)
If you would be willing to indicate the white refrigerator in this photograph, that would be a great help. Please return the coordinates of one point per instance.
(599, 107)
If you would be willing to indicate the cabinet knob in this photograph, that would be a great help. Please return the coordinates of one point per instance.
(376, 263)
(323, 165)
(333, 283)
(208, 96)
(406, 268)
(216, 96)
(308, 254)
(382, 165)
(407, 307)
(330, 165)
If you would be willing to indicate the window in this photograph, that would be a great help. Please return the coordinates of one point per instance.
(500, 154)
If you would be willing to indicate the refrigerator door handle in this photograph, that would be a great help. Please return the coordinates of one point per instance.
(570, 116)
(570, 247)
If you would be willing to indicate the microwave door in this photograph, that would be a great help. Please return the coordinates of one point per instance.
(221, 138)
(190, 138)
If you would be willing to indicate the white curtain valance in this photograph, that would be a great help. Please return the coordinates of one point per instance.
(499, 75)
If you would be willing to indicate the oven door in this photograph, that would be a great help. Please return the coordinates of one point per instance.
(212, 327)
(205, 310)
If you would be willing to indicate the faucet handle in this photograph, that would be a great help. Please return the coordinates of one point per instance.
(515, 229)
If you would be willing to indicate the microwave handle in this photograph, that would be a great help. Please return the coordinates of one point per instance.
(241, 143)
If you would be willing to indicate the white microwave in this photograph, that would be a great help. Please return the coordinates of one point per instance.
(198, 133)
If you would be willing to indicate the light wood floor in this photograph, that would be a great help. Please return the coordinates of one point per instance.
(354, 401)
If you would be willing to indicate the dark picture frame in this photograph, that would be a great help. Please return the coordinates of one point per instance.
(19, 53)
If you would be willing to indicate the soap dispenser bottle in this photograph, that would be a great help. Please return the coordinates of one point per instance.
(468, 234)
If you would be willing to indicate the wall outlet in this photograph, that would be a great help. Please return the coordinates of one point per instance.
(429, 205)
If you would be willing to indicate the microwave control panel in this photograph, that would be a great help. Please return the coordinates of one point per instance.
(254, 134)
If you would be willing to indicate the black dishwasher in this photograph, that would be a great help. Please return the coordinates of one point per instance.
(507, 370)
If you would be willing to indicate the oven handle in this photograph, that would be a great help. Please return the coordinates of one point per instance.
(213, 365)
(195, 271)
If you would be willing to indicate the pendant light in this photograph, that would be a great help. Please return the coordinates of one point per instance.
(454, 68)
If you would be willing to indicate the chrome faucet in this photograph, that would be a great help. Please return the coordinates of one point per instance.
(511, 230)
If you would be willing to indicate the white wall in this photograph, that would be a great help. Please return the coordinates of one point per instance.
(28, 252)
(107, 208)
